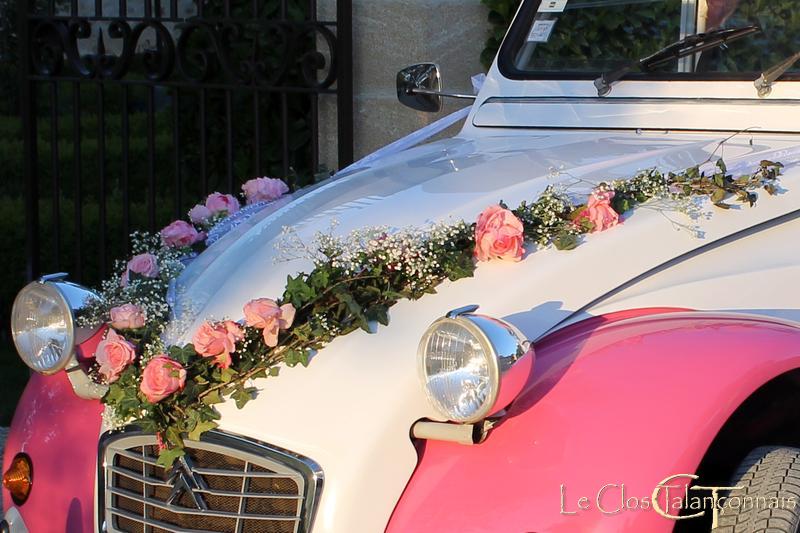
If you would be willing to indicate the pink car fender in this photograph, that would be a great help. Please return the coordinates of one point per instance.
(59, 431)
(616, 406)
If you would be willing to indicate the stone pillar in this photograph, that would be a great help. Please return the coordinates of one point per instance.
(387, 36)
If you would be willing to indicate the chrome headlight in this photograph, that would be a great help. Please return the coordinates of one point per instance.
(43, 323)
(471, 366)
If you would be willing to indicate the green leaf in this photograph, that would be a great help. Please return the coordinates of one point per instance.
(379, 313)
(212, 398)
(319, 278)
(168, 456)
(298, 292)
(201, 427)
(718, 195)
(565, 241)
(227, 374)
(292, 357)
(241, 396)
(274, 371)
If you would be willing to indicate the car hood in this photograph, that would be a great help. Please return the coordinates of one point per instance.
(352, 408)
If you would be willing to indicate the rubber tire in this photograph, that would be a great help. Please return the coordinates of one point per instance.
(768, 472)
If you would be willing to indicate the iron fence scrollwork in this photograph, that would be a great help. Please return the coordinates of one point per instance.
(226, 89)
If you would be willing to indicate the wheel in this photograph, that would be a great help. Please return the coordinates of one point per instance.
(769, 498)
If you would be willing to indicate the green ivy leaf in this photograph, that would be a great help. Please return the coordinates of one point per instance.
(298, 292)
(718, 195)
(169, 456)
(212, 398)
(227, 374)
(379, 313)
(565, 241)
(243, 395)
(201, 427)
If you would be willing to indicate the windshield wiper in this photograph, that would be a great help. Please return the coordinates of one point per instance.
(689, 45)
(768, 78)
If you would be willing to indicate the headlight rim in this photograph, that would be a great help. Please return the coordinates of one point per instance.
(492, 360)
(69, 318)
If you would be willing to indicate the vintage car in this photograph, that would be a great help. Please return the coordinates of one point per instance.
(642, 381)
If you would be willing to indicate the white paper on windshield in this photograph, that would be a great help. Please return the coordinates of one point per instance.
(541, 30)
(552, 6)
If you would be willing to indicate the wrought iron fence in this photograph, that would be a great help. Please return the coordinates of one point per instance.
(132, 109)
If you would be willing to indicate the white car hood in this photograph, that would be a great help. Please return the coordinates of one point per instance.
(352, 408)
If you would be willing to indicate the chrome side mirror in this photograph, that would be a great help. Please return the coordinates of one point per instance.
(418, 87)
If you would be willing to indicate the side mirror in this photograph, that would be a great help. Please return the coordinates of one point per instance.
(418, 87)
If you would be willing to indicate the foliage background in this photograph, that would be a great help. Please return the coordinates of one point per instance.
(603, 35)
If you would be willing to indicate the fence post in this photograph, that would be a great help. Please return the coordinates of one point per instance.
(344, 80)
(27, 110)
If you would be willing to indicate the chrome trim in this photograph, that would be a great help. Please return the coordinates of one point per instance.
(282, 463)
(77, 298)
(82, 385)
(15, 522)
(462, 311)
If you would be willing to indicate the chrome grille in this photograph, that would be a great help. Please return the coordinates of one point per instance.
(224, 484)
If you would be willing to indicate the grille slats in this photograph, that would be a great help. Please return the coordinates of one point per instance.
(210, 512)
(224, 483)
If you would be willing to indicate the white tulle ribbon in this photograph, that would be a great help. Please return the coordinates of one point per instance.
(409, 141)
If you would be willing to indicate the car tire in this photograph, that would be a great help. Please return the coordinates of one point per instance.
(767, 472)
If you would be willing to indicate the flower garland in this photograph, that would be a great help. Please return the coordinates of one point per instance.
(172, 390)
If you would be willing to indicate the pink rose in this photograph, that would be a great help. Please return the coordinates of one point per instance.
(264, 190)
(599, 211)
(179, 234)
(114, 354)
(218, 203)
(498, 235)
(218, 340)
(199, 214)
(143, 264)
(127, 316)
(264, 314)
(161, 377)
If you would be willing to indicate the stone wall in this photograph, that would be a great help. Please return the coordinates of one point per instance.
(387, 36)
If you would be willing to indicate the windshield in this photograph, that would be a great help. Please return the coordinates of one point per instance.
(581, 38)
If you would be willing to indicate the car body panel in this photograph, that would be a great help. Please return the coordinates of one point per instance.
(59, 431)
(632, 401)
(320, 412)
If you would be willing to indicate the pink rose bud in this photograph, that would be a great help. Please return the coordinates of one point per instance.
(498, 235)
(264, 190)
(179, 234)
(161, 377)
(264, 314)
(219, 203)
(127, 316)
(218, 340)
(143, 264)
(599, 212)
(114, 354)
(199, 214)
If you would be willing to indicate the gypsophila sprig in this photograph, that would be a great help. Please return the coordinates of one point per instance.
(356, 278)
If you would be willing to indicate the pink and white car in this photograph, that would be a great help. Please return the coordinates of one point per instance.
(646, 380)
